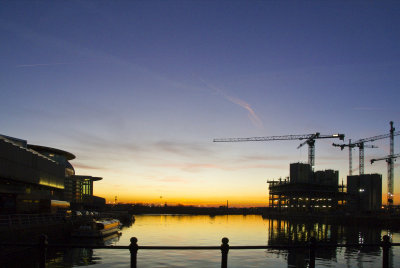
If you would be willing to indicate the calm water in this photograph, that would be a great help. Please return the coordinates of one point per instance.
(241, 230)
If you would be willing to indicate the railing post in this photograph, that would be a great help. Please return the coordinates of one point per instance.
(224, 251)
(42, 250)
(133, 248)
(313, 244)
(385, 251)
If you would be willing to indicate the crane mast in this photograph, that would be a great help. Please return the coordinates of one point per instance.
(310, 141)
(389, 160)
(350, 159)
(361, 158)
(390, 165)
(311, 152)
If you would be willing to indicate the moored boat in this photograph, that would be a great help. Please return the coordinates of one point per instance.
(99, 228)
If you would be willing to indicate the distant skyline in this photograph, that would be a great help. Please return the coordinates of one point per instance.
(138, 90)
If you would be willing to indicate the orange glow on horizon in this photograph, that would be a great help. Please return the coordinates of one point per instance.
(194, 201)
(211, 201)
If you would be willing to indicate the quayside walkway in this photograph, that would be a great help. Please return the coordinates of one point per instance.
(134, 248)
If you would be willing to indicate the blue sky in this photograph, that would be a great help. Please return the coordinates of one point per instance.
(137, 90)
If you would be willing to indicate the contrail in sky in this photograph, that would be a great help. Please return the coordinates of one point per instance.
(365, 108)
(251, 114)
(41, 64)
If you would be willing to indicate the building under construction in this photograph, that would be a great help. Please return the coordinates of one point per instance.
(307, 191)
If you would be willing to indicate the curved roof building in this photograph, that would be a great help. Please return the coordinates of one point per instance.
(51, 152)
(30, 174)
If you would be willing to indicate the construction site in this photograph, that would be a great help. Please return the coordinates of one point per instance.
(307, 191)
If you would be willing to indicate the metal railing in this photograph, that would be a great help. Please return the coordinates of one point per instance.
(133, 248)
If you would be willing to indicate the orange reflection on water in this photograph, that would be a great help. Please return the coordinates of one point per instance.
(197, 230)
(187, 230)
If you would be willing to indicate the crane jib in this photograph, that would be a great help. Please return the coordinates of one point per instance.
(285, 137)
(310, 141)
(379, 137)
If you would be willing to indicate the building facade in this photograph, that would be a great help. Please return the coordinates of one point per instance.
(33, 177)
(79, 191)
(365, 192)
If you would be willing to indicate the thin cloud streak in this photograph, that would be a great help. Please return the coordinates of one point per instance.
(41, 64)
(182, 148)
(121, 150)
(174, 180)
(197, 167)
(367, 109)
(263, 158)
(251, 114)
(84, 166)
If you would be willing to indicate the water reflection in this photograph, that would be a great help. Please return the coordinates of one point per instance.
(73, 257)
(282, 232)
(81, 256)
(184, 230)
(62, 257)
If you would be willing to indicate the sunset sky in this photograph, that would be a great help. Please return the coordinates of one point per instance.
(138, 90)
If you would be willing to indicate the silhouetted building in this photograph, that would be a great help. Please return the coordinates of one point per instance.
(79, 191)
(34, 177)
(300, 173)
(365, 192)
(306, 190)
(327, 177)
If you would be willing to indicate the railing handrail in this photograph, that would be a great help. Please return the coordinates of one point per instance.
(280, 246)
(134, 247)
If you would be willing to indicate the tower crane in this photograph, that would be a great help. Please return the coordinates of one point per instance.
(351, 146)
(394, 156)
(309, 140)
(389, 160)
(361, 145)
